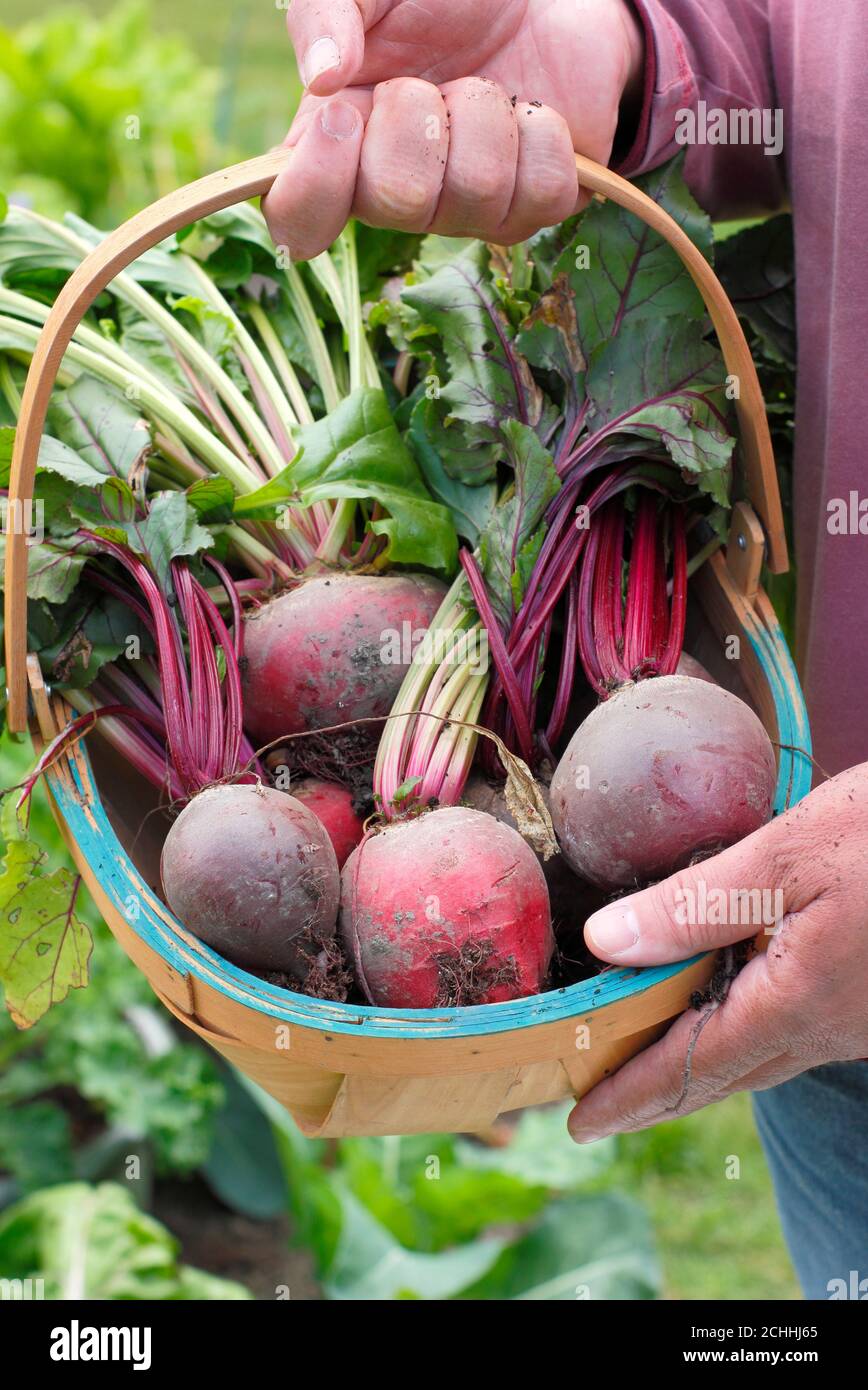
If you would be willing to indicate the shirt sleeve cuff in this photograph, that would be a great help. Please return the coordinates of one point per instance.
(669, 87)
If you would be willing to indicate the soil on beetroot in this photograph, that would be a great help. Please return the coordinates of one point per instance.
(345, 756)
(467, 976)
(329, 975)
(254, 1253)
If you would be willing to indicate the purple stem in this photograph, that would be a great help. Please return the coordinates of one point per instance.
(499, 654)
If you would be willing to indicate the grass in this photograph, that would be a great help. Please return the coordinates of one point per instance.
(719, 1236)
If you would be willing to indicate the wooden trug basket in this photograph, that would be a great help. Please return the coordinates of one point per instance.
(348, 1070)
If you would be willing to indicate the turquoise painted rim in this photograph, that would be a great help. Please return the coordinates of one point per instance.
(95, 835)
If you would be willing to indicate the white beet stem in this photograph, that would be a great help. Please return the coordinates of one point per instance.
(441, 682)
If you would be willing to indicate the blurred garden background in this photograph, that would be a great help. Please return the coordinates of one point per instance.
(128, 1152)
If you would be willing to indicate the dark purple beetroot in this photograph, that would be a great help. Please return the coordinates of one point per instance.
(252, 872)
(689, 666)
(666, 771)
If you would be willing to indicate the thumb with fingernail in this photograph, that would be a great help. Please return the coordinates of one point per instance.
(716, 903)
(329, 42)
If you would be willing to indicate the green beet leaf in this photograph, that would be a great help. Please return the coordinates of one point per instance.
(148, 344)
(102, 427)
(44, 947)
(357, 452)
(172, 530)
(757, 272)
(511, 540)
(170, 527)
(29, 244)
(623, 274)
(470, 506)
(666, 386)
(549, 338)
(473, 466)
(216, 330)
(212, 499)
(55, 456)
(53, 568)
(161, 267)
(489, 381)
(92, 630)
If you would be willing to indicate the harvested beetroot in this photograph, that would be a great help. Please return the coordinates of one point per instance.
(666, 771)
(334, 649)
(448, 909)
(253, 872)
(572, 900)
(689, 666)
(334, 806)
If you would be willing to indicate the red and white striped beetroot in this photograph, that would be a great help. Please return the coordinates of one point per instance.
(332, 650)
(449, 908)
(333, 805)
(571, 898)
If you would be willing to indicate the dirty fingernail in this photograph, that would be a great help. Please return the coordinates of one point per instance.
(613, 930)
(322, 56)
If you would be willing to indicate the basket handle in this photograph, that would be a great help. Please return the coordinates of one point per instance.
(251, 179)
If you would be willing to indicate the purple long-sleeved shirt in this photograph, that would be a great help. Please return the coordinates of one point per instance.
(810, 59)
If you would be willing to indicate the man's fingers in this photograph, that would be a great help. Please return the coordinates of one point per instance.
(404, 156)
(738, 1039)
(310, 107)
(310, 202)
(483, 159)
(729, 898)
(546, 185)
(329, 40)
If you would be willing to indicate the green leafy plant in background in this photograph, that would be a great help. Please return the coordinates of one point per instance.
(757, 268)
(107, 1063)
(134, 1078)
(445, 1217)
(102, 116)
(87, 1242)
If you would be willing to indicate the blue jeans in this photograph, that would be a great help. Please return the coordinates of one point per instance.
(814, 1130)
